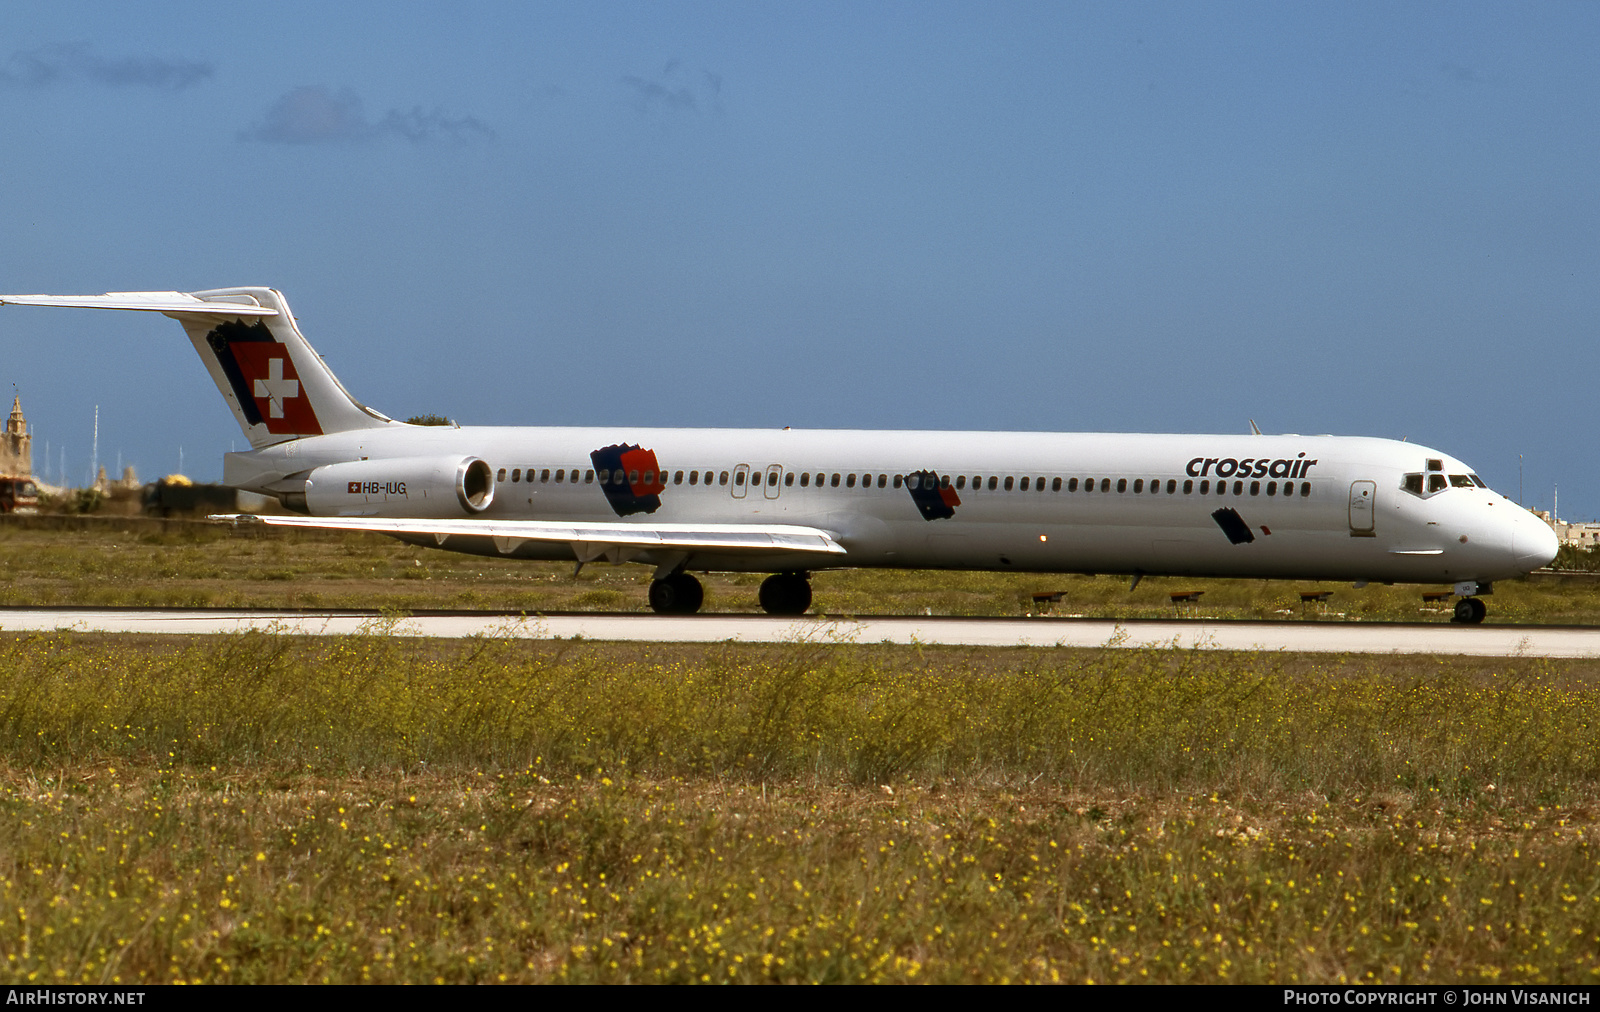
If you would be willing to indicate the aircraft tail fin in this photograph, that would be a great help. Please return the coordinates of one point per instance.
(277, 386)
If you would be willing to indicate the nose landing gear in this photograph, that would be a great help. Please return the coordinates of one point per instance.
(1469, 611)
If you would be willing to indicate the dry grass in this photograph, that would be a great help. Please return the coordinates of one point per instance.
(263, 808)
(130, 561)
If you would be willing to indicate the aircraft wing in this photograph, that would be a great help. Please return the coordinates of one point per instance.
(589, 541)
(170, 303)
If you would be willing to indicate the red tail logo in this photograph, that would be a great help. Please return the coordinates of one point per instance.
(273, 384)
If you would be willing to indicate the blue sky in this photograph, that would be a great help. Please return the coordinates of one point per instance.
(1370, 219)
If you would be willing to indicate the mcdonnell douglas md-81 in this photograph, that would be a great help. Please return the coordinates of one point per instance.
(788, 502)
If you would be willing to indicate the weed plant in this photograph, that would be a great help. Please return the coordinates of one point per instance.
(274, 808)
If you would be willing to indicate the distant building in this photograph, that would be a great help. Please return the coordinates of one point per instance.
(16, 446)
(1582, 535)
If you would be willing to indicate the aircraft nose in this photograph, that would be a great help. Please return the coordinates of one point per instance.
(1534, 544)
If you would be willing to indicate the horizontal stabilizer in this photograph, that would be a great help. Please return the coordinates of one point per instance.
(720, 538)
(155, 302)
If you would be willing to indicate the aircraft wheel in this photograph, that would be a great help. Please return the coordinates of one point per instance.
(785, 594)
(1470, 611)
(678, 594)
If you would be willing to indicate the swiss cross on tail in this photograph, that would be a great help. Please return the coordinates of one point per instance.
(264, 379)
(932, 493)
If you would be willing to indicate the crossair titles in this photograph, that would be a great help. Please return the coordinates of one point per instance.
(1249, 467)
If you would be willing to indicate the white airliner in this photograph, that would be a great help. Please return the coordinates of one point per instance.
(788, 502)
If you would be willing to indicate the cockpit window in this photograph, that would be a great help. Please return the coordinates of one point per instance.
(1436, 483)
(1412, 483)
(1477, 481)
(1460, 481)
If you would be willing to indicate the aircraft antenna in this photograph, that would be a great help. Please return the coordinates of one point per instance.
(1255, 430)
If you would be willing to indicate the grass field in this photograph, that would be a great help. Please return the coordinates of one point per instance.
(114, 561)
(274, 808)
(263, 808)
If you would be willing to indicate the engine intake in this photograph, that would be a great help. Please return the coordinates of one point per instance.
(432, 488)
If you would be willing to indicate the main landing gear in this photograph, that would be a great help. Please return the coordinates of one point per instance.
(785, 594)
(681, 594)
(678, 594)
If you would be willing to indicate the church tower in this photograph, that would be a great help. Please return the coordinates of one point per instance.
(16, 446)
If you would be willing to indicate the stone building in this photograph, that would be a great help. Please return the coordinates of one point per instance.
(16, 446)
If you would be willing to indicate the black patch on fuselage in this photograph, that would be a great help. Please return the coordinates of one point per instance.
(221, 340)
(934, 500)
(626, 497)
(1233, 525)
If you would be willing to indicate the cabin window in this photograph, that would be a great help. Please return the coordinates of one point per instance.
(805, 480)
(961, 482)
(944, 481)
(788, 480)
(1272, 488)
(561, 474)
(1188, 486)
(516, 474)
(677, 477)
(1305, 489)
(883, 481)
(994, 483)
(1055, 484)
(722, 479)
(1255, 488)
(1172, 486)
(1122, 484)
(1072, 484)
(1088, 486)
(1238, 488)
(1025, 484)
(1138, 485)
(1010, 483)
(738, 478)
(1105, 484)
(899, 480)
(1038, 484)
(501, 476)
(834, 481)
(588, 476)
(850, 480)
(694, 477)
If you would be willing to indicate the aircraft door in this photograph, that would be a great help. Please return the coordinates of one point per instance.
(741, 481)
(774, 476)
(1362, 500)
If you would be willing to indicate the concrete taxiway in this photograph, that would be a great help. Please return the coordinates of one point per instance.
(1200, 634)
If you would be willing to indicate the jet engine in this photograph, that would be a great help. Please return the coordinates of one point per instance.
(431, 488)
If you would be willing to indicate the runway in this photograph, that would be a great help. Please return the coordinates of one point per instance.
(1197, 634)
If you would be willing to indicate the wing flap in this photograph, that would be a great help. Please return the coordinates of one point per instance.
(682, 537)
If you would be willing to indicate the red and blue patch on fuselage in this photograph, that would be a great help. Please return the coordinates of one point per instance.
(630, 478)
(932, 493)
